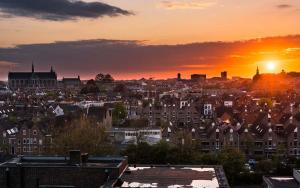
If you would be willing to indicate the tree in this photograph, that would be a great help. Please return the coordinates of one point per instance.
(104, 78)
(233, 163)
(83, 135)
(119, 113)
(90, 87)
(120, 88)
(265, 166)
(99, 77)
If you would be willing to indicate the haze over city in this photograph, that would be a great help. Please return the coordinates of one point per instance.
(152, 38)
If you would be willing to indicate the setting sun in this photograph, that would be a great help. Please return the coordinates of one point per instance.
(271, 65)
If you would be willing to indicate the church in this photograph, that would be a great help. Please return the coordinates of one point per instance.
(32, 80)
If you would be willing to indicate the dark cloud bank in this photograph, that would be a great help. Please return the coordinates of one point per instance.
(58, 10)
(89, 57)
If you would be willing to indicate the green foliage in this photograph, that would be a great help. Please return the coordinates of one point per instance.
(233, 163)
(12, 118)
(83, 135)
(135, 123)
(265, 166)
(104, 78)
(119, 113)
(90, 87)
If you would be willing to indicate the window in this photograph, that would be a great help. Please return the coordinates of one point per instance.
(34, 132)
(24, 140)
(24, 149)
(24, 132)
(217, 135)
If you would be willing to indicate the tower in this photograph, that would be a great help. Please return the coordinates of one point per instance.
(178, 76)
(224, 75)
(51, 70)
(257, 71)
(32, 68)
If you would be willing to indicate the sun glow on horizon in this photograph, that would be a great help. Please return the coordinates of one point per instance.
(271, 65)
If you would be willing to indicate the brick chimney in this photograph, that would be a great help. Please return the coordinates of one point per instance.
(75, 157)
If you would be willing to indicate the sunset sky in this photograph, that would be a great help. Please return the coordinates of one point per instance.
(149, 38)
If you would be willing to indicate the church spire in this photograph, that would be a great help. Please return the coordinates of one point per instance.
(51, 70)
(257, 71)
(32, 67)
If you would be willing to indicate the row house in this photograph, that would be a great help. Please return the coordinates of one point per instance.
(179, 114)
(24, 140)
(258, 138)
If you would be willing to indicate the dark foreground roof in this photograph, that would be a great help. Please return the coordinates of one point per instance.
(281, 182)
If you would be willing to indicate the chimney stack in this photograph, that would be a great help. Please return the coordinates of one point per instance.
(75, 157)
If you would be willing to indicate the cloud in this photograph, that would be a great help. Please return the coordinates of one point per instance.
(6, 64)
(173, 5)
(130, 57)
(284, 6)
(58, 10)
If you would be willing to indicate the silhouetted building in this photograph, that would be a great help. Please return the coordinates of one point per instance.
(32, 79)
(178, 76)
(76, 170)
(224, 75)
(198, 77)
(257, 75)
(71, 83)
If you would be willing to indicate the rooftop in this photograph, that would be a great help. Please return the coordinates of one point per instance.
(175, 176)
(62, 161)
(279, 182)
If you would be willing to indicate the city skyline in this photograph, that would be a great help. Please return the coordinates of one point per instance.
(135, 39)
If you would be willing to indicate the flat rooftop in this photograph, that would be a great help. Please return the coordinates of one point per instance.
(175, 176)
(279, 182)
(62, 161)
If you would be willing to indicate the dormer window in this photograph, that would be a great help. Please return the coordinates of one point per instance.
(34, 132)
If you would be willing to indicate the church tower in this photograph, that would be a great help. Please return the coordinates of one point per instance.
(256, 76)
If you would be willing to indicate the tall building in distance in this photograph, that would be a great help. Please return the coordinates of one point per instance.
(179, 76)
(224, 75)
(32, 80)
(198, 77)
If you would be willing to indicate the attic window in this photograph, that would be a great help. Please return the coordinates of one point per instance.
(34, 132)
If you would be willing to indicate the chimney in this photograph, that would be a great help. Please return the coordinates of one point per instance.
(75, 157)
(84, 158)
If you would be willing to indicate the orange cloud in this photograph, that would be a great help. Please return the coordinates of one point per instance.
(173, 5)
